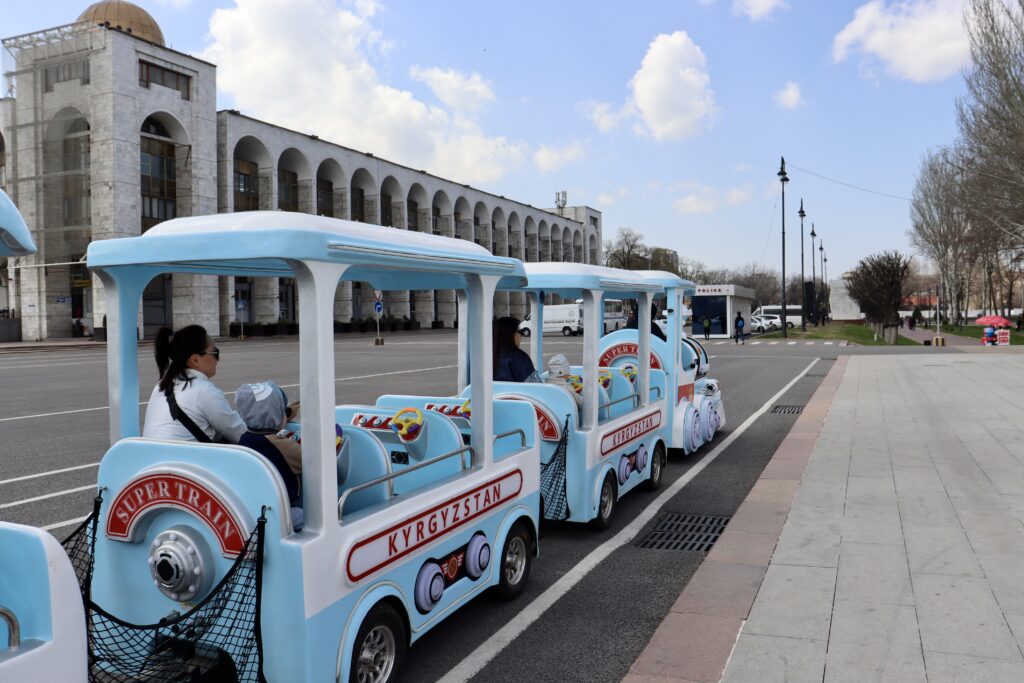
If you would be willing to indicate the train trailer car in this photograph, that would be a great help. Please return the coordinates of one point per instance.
(191, 566)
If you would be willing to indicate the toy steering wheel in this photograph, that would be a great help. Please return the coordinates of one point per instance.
(339, 438)
(465, 410)
(407, 423)
(576, 382)
(605, 376)
(630, 373)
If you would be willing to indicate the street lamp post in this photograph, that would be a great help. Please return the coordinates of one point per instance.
(824, 270)
(803, 304)
(783, 179)
(821, 255)
(814, 277)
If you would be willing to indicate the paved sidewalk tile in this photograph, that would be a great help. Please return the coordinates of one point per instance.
(742, 547)
(721, 589)
(951, 668)
(993, 530)
(768, 658)
(874, 642)
(811, 541)
(794, 602)
(759, 518)
(872, 524)
(941, 550)
(958, 614)
(691, 647)
(874, 573)
(1005, 574)
(773, 491)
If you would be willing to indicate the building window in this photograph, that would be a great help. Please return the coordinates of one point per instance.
(69, 71)
(358, 205)
(247, 192)
(324, 197)
(151, 73)
(412, 210)
(385, 210)
(287, 190)
(158, 180)
(435, 220)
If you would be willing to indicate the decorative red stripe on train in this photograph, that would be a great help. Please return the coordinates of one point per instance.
(685, 391)
(627, 349)
(182, 493)
(631, 432)
(550, 429)
(387, 547)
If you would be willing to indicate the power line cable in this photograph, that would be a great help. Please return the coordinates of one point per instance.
(845, 184)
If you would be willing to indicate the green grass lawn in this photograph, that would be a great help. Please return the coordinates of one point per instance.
(974, 332)
(855, 334)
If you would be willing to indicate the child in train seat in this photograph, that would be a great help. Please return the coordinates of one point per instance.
(558, 374)
(265, 410)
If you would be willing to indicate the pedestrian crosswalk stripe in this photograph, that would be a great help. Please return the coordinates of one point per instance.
(755, 343)
(829, 343)
(809, 343)
(790, 343)
(719, 343)
(772, 343)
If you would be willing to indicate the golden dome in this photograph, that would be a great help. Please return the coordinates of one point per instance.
(126, 16)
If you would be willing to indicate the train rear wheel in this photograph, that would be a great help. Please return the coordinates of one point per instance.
(379, 650)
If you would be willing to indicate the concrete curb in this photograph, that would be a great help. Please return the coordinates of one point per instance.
(696, 638)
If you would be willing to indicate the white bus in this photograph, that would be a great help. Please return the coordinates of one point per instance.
(614, 315)
(792, 313)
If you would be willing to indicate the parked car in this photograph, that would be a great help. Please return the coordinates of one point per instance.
(765, 323)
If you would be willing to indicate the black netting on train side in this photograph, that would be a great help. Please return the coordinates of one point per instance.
(216, 641)
(552, 480)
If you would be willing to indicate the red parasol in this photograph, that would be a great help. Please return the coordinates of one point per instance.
(993, 321)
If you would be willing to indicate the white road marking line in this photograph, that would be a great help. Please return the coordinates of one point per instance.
(489, 649)
(46, 474)
(754, 343)
(709, 358)
(229, 393)
(790, 343)
(809, 343)
(829, 343)
(48, 495)
(719, 343)
(67, 522)
(53, 365)
(772, 343)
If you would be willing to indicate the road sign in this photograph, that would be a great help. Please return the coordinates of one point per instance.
(1002, 337)
(379, 294)
(378, 307)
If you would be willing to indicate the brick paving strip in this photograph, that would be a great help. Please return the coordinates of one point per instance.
(694, 642)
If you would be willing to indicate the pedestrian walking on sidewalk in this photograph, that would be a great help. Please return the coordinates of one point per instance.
(738, 325)
(706, 324)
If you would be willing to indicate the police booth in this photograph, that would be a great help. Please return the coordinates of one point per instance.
(720, 304)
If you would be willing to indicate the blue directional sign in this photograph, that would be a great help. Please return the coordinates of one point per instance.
(378, 307)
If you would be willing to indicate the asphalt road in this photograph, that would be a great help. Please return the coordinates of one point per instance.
(55, 418)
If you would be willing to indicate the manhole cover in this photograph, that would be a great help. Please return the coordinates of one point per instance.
(676, 531)
(787, 410)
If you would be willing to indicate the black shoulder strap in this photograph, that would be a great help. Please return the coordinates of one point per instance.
(178, 414)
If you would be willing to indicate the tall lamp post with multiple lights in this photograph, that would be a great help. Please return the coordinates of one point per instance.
(803, 287)
(814, 277)
(783, 179)
(824, 274)
(821, 255)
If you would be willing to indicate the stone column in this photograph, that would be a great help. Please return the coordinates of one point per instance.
(341, 208)
(343, 302)
(265, 299)
(424, 299)
(307, 197)
(196, 301)
(226, 285)
(370, 210)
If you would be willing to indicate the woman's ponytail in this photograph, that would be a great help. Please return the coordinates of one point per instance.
(173, 349)
(162, 349)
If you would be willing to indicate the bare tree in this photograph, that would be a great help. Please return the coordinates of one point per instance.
(627, 251)
(879, 285)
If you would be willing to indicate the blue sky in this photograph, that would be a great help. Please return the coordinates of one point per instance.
(670, 117)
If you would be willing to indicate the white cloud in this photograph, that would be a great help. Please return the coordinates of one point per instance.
(177, 4)
(670, 94)
(707, 199)
(741, 167)
(756, 10)
(549, 158)
(916, 40)
(789, 97)
(672, 90)
(457, 90)
(605, 199)
(604, 115)
(330, 87)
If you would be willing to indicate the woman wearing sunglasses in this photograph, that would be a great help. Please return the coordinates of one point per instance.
(185, 404)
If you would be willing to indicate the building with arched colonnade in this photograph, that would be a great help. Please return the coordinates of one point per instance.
(105, 132)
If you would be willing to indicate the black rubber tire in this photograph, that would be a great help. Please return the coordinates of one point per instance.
(658, 459)
(519, 543)
(525, 331)
(566, 331)
(790, 325)
(603, 521)
(384, 616)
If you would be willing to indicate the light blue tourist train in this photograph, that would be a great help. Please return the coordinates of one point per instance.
(414, 505)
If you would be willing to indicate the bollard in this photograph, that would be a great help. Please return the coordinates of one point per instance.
(939, 341)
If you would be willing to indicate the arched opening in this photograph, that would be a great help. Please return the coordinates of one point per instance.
(363, 195)
(294, 182)
(515, 236)
(499, 233)
(391, 200)
(417, 209)
(3, 162)
(66, 222)
(253, 170)
(595, 253)
(544, 240)
(331, 190)
(566, 245)
(441, 215)
(532, 245)
(556, 242)
(165, 175)
(482, 226)
(577, 247)
(463, 219)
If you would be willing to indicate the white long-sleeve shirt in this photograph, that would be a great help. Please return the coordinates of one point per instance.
(202, 401)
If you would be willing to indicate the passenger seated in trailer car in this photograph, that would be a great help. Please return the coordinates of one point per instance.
(559, 374)
(511, 364)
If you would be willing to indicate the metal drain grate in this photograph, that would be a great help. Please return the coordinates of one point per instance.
(787, 410)
(675, 531)
(816, 374)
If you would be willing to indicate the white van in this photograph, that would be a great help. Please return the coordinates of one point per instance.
(564, 318)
